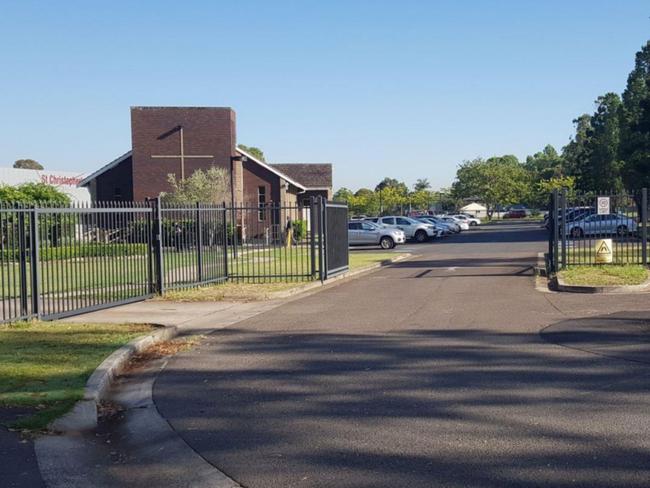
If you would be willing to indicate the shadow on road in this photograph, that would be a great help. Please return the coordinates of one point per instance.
(414, 408)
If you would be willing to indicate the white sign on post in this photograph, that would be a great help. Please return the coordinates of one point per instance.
(603, 205)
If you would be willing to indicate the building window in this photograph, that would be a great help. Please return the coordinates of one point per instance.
(117, 194)
(261, 202)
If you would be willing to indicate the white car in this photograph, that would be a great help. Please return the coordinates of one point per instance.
(461, 223)
(419, 231)
(608, 224)
(472, 221)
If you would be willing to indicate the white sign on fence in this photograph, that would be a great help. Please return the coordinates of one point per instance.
(603, 205)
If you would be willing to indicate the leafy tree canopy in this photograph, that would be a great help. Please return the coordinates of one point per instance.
(256, 152)
(343, 195)
(27, 164)
(211, 186)
(421, 184)
(399, 186)
(33, 193)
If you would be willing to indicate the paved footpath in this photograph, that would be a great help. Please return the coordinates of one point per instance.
(446, 370)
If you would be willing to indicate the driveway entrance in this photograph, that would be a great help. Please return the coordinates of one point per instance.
(431, 372)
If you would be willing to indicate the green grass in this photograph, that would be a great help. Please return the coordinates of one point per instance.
(604, 275)
(235, 291)
(363, 259)
(45, 366)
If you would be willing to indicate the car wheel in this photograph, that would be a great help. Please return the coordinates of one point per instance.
(577, 232)
(387, 243)
(472, 223)
(621, 230)
(420, 236)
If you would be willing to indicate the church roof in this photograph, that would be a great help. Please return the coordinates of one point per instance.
(272, 169)
(311, 175)
(86, 181)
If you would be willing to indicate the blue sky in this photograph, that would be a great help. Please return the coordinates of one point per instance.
(403, 89)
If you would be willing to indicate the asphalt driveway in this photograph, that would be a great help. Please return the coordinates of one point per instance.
(446, 370)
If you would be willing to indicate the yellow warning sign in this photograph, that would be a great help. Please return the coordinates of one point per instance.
(604, 251)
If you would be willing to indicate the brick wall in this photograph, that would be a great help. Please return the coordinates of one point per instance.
(207, 131)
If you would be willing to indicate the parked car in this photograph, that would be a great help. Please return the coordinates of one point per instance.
(572, 214)
(606, 224)
(515, 214)
(463, 225)
(472, 221)
(368, 233)
(445, 227)
(419, 231)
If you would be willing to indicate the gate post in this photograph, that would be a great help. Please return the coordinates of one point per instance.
(35, 261)
(644, 226)
(563, 228)
(199, 243)
(556, 228)
(312, 235)
(322, 246)
(157, 243)
(22, 260)
(224, 228)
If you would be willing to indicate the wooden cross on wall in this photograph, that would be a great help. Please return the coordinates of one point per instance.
(182, 156)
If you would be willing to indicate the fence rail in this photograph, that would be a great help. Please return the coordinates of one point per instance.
(57, 261)
(578, 224)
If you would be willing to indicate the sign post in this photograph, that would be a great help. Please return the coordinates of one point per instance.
(604, 252)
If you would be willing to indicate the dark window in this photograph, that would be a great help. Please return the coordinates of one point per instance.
(306, 202)
(261, 202)
(117, 194)
(402, 221)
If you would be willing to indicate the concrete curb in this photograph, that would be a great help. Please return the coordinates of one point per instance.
(560, 285)
(83, 416)
(336, 279)
(540, 268)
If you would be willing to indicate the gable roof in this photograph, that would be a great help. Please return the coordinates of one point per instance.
(311, 175)
(272, 169)
(105, 168)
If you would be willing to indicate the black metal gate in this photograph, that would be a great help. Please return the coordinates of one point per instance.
(61, 260)
(335, 225)
(578, 224)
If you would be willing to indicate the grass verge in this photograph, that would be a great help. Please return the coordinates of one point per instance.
(233, 291)
(44, 366)
(604, 275)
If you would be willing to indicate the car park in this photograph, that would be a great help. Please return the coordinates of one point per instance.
(604, 224)
(414, 229)
(368, 233)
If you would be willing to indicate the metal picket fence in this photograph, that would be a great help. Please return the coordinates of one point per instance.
(61, 260)
(578, 224)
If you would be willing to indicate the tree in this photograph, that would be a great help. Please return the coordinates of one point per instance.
(604, 169)
(399, 186)
(634, 149)
(27, 164)
(421, 184)
(33, 193)
(545, 187)
(256, 152)
(364, 202)
(496, 181)
(210, 186)
(545, 164)
(343, 195)
(576, 152)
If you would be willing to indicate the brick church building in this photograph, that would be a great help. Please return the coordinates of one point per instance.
(180, 140)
